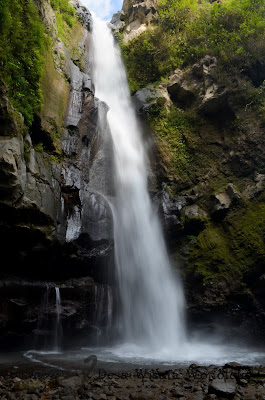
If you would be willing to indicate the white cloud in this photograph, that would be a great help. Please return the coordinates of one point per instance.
(102, 8)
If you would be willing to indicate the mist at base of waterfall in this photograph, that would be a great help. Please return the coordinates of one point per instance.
(196, 352)
(127, 356)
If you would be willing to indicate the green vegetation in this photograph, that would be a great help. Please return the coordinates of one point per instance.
(34, 85)
(26, 151)
(66, 12)
(69, 28)
(187, 30)
(232, 248)
(192, 148)
(39, 147)
(184, 140)
(22, 49)
(55, 92)
(171, 127)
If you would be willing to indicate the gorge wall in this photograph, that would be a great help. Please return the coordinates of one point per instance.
(205, 135)
(198, 88)
(55, 176)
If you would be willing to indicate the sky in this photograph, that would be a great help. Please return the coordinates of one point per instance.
(103, 8)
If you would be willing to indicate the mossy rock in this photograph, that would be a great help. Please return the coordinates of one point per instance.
(55, 97)
(232, 249)
(194, 219)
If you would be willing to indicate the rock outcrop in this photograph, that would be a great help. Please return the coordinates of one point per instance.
(55, 185)
(213, 218)
(134, 18)
(198, 87)
(144, 99)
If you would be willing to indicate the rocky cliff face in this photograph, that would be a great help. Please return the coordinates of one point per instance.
(214, 217)
(210, 184)
(56, 183)
(55, 180)
(134, 17)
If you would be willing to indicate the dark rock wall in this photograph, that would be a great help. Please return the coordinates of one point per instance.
(213, 218)
(55, 218)
(209, 187)
(56, 184)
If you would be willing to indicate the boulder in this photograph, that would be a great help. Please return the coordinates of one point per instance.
(221, 203)
(233, 193)
(149, 96)
(214, 95)
(194, 219)
(233, 365)
(223, 388)
(214, 100)
(181, 90)
(198, 88)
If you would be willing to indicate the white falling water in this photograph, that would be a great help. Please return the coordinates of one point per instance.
(57, 334)
(103, 309)
(152, 300)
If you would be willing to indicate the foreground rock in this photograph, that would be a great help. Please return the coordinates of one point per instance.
(233, 381)
(223, 387)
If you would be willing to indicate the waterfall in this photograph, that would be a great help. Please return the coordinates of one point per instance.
(49, 327)
(58, 327)
(103, 310)
(41, 338)
(151, 310)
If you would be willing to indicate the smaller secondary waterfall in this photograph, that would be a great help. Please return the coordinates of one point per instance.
(103, 310)
(49, 328)
(58, 327)
(151, 296)
(41, 338)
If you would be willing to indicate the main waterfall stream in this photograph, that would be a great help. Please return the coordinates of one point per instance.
(151, 296)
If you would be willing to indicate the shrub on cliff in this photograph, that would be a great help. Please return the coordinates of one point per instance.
(21, 47)
(187, 30)
(65, 17)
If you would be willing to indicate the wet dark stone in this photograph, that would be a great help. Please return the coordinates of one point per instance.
(225, 388)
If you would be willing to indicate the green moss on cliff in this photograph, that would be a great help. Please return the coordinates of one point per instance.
(65, 14)
(70, 29)
(171, 127)
(55, 95)
(202, 152)
(231, 249)
(23, 43)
